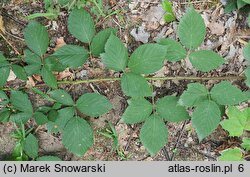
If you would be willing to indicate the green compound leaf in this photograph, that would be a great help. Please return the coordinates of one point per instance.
(206, 118)
(36, 37)
(4, 99)
(231, 155)
(49, 78)
(230, 6)
(20, 118)
(236, 122)
(3, 61)
(40, 118)
(53, 64)
(19, 72)
(168, 109)
(225, 93)
(81, 25)
(154, 134)
(21, 101)
(97, 45)
(247, 113)
(52, 115)
(192, 29)
(48, 158)
(93, 104)
(246, 144)
(31, 146)
(33, 61)
(5, 72)
(247, 74)
(205, 60)
(134, 85)
(64, 115)
(137, 111)
(246, 52)
(44, 109)
(116, 54)
(71, 55)
(32, 58)
(241, 3)
(194, 94)
(175, 51)
(147, 59)
(61, 96)
(61, 2)
(77, 136)
(4, 115)
(247, 1)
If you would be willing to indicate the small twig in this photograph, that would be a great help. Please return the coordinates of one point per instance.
(144, 158)
(178, 140)
(14, 48)
(244, 37)
(120, 27)
(195, 2)
(4, 13)
(247, 156)
(165, 152)
(130, 137)
(129, 140)
(14, 36)
(205, 154)
(93, 88)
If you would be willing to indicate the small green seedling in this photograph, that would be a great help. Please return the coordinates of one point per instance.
(169, 15)
(20, 135)
(237, 123)
(111, 133)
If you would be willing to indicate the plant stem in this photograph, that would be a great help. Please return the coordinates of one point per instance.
(165, 152)
(178, 140)
(112, 79)
(154, 79)
(14, 48)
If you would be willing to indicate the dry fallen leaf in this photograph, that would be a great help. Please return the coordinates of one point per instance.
(12, 76)
(216, 28)
(17, 1)
(59, 43)
(64, 74)
(37, 78)
(30, 82)
(2, 29)
(140, 34)
(154, 14)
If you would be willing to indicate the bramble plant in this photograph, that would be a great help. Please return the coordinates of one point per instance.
(208, 104)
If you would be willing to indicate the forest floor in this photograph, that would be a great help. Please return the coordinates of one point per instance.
(137, 21)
